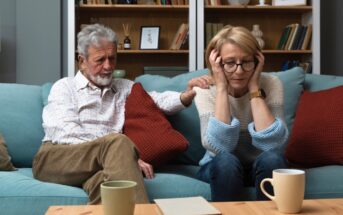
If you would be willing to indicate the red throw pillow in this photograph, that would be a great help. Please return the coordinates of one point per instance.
(317, 134)
(148, 128)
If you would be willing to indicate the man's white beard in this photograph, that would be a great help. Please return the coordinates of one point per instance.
(102, 81)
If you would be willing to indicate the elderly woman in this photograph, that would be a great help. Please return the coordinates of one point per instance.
(241, 116)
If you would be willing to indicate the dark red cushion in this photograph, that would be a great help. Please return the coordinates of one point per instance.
(317, 134)
(146, 125)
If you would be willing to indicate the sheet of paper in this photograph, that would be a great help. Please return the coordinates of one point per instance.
(186, 206)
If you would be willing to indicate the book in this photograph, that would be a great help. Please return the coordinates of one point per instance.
(307, 37)
(177, 37)
(185, 206)
(297, 36)
(296, 28)
(283, 37)
(290, 35)
(302, 37)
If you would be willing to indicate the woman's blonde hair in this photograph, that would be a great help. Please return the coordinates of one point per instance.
(239, 36)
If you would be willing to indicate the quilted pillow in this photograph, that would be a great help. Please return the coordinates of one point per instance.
(148, 128)
(317, 135)
(5, 160)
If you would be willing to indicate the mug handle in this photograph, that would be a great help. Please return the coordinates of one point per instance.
(264, 191)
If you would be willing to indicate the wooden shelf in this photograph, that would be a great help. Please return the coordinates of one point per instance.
(301, 9)
(287, 51)
(145, 8)
(153, 51)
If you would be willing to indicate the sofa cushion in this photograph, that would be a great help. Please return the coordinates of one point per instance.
(293, 85)
(21, 121)
(324, 182)
(186, 121)
(5, 159)
(317, 136)
(21, 194)
(146, 125)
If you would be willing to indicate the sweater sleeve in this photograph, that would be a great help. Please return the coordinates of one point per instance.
(216, 136)
(276, 135)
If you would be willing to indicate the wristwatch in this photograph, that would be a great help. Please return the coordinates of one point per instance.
(258, 94)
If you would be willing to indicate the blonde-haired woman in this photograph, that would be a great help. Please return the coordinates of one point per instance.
(241, 116)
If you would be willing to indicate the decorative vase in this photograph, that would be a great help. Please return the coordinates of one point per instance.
(262, 3)
(238, 2)
(257, 33)
(119, 73)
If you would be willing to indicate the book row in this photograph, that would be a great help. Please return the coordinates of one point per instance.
(158, 2)
(295, 37)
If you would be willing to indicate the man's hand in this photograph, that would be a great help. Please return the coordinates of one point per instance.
(187, 97)
(146, 168)
(203, 82)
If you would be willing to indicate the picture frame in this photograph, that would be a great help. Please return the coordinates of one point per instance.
(289, 3)
(150, 36)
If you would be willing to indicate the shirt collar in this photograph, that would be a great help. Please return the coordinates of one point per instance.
(82, 82)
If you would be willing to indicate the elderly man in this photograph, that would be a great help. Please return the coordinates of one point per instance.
(84, 118)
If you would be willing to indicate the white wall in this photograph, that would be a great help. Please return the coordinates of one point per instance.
(331, 37)
(31, 41)
(8, 41)
(38, 41)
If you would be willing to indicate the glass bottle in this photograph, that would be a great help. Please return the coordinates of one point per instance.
(127, 43)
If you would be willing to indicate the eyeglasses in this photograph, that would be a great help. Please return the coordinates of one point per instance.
(232, 66)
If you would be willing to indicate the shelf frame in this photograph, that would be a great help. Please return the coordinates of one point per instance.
(310, 14)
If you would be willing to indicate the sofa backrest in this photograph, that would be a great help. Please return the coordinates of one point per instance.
(22, 105)
(187, 121)
(21, 121)
(321, 82)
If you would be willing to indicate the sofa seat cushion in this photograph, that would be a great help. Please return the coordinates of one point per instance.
(21, 194)
(324, 182)
(171, 185)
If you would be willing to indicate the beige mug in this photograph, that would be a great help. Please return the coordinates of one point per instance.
(289, 189)
(118, 197)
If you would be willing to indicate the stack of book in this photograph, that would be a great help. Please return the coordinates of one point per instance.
(211, 30)
(181, 37)
(158, 2)
(172, 2)
(213, 2)
(288, 64)
(295, 37)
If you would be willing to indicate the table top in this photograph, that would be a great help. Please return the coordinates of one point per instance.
(313, 207)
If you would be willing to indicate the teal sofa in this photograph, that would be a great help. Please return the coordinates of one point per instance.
(21, 126)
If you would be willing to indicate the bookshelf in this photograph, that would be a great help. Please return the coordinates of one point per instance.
(272, 21)
(167, 17)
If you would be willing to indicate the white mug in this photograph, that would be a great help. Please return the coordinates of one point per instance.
(118, 197)
(289, 189)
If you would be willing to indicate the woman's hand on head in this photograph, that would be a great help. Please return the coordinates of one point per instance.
(255, 78)
(217, 70)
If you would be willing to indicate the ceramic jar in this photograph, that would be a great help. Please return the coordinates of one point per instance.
(238, 2)
(119, 73)
(257, 33)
